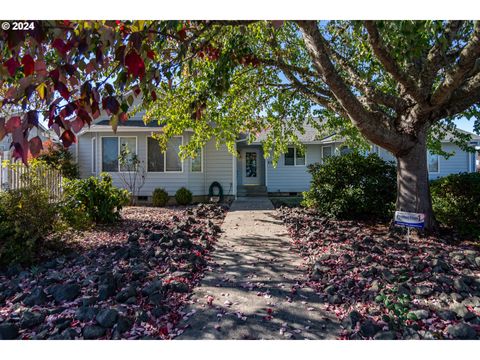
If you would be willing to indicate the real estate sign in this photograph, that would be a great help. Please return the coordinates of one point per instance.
(409, 219)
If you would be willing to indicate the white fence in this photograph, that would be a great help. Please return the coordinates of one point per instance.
(17, 175)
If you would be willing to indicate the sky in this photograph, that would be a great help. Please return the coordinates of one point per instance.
(465, 124)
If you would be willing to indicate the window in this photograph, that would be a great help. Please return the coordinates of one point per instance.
(433, 162)
(294, 157)
(173, 162)
(110, 154)
(94, 155)
(111, 151)
(155, 158)
(129, 143)
(344, 150)
(169, 161)
(326, 152)
(196, 163)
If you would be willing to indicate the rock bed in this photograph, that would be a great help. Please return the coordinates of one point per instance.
(129, 280)
(382, 287)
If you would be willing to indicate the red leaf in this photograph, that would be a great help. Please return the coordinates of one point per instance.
(84, 116)
(12, 65)
(151, 54)
(28, 65)
(61, 47)
(154, 95)
(13, 123)
(110, 104)
(135, 65)
(35, 145)
(19, 152)
(55, 75)
(62, 89)
(68, 138)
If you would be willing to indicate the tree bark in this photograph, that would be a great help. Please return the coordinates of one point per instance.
(413, 190)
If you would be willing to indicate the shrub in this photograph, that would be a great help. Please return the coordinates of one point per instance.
(352, 186)
(455, 200)
(160, 197)
(95, 199)
(57, 157)
(26, 218)
(183, 196)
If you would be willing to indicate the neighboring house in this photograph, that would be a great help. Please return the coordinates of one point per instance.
(249, 173)
(41, 131)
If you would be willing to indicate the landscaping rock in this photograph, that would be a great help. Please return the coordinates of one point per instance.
(420, 314)
(125, 294)
(447, 315)
(123, 324)
(66, 293)
(179, 287)
(368, 328)
(107, 317)
(93, 332)
(352, 319)
(460, 286)
(36, 297)
(423, 290)
(8, 331)
(385, 335)
(152, 287)
(86, 313)
(462, 331)
(31, 319)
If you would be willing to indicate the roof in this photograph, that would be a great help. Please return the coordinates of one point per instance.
(309, 135)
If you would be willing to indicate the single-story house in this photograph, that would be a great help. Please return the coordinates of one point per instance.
(248, 173)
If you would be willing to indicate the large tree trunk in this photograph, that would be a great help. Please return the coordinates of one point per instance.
(413, 194)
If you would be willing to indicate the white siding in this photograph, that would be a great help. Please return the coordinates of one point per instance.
(218, 169)
(457, 163)
(292, 178)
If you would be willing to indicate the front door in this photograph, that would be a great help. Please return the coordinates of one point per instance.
(251, 167)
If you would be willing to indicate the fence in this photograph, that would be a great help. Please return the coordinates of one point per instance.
(17, 175)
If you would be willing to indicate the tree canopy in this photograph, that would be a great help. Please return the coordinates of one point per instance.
(397, 84)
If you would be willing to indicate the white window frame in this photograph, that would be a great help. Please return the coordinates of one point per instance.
(165, 158)
(295, 157)
(438, 161)
(118, 145)
(331, 151)
(94, 155)
(201, 163)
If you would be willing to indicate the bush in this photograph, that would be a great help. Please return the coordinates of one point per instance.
(160, 197)
(352, 186)
(57, 157)
(94, 200)
(456, 202)
(26, 218)
(183, 196)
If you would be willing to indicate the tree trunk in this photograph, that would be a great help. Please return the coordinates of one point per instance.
(413, 191)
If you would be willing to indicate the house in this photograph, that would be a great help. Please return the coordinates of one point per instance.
(248, 173)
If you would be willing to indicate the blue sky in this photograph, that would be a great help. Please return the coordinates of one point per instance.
(465, 124)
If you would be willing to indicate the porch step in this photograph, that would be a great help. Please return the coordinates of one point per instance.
(252, 190)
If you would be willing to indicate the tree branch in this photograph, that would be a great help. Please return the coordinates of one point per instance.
(437, 54)
(379, 131)
(389, 63)
(454, 78)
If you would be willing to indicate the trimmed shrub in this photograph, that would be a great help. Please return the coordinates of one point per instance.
(352, 186)
(456, 202)
(94, 199)
(183, 196)
(159, 197)
(26, 218)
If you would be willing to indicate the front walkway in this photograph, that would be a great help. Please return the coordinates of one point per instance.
(254, 289)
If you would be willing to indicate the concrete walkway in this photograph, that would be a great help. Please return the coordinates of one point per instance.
(254, 290)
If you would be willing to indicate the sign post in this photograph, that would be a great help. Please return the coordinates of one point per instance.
(409, 220)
